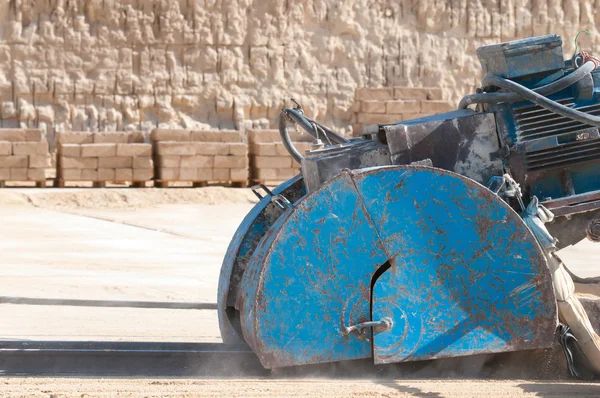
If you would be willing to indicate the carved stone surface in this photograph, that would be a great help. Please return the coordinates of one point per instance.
(139, 64)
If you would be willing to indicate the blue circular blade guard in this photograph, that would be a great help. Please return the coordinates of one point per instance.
(444, 263)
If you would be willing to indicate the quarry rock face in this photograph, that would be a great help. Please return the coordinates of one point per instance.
(98, 65)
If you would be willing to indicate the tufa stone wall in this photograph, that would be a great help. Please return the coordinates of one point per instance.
(89, 65)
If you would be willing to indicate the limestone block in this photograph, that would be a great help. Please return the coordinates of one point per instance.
(106, 175)
(264, 149)
(138, 137)
(74, 137)
(377, 94)
(410, 93)
(239, 174)
(262, 136)
(211, 148)
(33, 135)
(70, 150)
(14, 161)
(168, 173)
(142, 162)
(79, 163)
(5, 148)
(197, 161)
(143, 174)
(40, 161)
(302, 147)
(216, 135)
(124, 174)
(134, 149)
(13, 135)
(433, 107)
(376, 118)
(238, 149)
(169, 161)
(264, 174)
(4, 174)
(403, 106)
(18, 174)
(272, 162)
(30, 148)
(98, 150)
(111, 138)
(188, 174)
(434, 93)
(170, 135)
(221, 174)
(71, 174)
(373, 106)
(115, 162)
(89, 174)
(36, 174)
(204, 174)
(230, 161)
(175, 148)
(417, 93)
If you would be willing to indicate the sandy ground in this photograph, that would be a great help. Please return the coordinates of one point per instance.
(82, 388)
(165, 246)
(147, 251)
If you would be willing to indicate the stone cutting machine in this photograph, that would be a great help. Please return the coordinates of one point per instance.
(429, 238)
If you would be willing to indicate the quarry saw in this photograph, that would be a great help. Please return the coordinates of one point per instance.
(429, 238)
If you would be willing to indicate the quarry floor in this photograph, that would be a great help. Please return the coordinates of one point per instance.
(163, 246)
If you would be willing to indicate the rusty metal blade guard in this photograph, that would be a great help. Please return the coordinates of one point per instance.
(431, 263)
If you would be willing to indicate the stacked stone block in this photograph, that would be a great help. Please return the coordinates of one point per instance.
(122, 64)
(396, 104)
(270, 162)
(24, 156)
(200, 156)
(104, 157)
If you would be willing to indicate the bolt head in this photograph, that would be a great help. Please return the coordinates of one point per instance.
(593, 230)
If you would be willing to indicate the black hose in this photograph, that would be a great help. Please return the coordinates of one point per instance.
(542, 101)
(549, 89)
(285, 138)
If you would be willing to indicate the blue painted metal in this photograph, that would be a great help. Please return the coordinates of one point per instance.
(254, 226)
(459, 257)
(309, 278)
(525, 57)
(466, 276)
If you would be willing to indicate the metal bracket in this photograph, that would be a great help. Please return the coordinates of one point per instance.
(281, 201)
(508, 186)
(535, 217)
(361, 328)
(593, 230)
(496, 184)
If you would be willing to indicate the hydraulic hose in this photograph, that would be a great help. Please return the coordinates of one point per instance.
(305, 123)
(542, 101)
(551, 88)
(301, 120)
(285, 138)
(330, 133)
